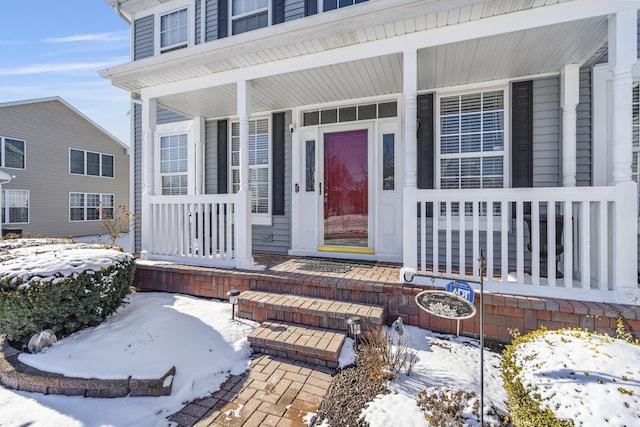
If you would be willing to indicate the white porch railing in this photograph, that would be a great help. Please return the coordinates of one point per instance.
(193, 229)
(511, 229)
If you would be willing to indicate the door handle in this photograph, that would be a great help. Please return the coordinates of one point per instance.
(320, 188)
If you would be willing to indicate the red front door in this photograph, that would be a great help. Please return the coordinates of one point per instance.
(346, 195)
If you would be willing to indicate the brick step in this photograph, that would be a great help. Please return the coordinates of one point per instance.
(308, 344)
(260, 306)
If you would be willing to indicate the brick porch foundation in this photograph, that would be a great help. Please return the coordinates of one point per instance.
(379, 285)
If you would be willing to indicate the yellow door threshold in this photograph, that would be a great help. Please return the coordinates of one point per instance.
(345, 250)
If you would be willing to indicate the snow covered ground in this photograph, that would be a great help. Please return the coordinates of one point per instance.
(123, 241)
(144, 338)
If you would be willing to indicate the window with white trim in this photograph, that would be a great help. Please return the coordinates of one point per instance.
(174, 30)
(174, 164)
(83, 162)
(15, 206)
(259, 164)
(90, 206)
(12, 153)
(471, 145)
(635, 173)
(247, 15)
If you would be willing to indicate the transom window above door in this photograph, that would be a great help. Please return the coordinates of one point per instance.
(247, 15)
(350, 113)
(471, 145)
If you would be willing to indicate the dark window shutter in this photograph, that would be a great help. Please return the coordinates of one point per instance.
(278, 133)
(522, 134)
(222, 18)
(278, 11)
(223, 159)
(426, 147)
(310, 7)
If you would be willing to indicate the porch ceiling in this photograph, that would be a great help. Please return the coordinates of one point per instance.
(522, 53)
(511, 55)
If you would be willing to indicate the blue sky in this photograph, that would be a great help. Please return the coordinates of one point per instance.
(56, 47)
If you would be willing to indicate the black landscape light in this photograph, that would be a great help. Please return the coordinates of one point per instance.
(354, 323)
(233, 299)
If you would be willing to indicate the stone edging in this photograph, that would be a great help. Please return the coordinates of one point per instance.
(18, 376)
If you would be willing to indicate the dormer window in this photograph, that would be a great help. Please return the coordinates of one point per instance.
(174, 30)
(247, 15)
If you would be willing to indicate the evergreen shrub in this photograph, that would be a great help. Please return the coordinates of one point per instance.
(64, 305)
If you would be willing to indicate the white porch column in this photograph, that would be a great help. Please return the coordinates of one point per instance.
(244, 258)
(622, 54)
(409, 192)
(570, 93)
(199, 136)
(149, 107)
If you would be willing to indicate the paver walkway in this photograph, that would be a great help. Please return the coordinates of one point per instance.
(273, 392)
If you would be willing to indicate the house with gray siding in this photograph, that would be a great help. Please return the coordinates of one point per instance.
(428, 133)
(66, 171)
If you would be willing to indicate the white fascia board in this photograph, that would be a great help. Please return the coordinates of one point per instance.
(517, 21)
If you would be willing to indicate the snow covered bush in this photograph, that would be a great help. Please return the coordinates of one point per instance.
(525, 408)
(58, 285)
(572, 376)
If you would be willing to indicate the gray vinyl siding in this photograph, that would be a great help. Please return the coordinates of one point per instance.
(50, 128)
(211, 157)
(546, 132)
(211, 30)
(293, 9)
(164, 116)
(583, 131)
(143, 37)
(137, 175)
(277, 237)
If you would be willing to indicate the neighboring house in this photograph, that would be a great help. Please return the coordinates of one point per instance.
(64, 168)
(421, 132)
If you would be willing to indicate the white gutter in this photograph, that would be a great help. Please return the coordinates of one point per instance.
(116, 7)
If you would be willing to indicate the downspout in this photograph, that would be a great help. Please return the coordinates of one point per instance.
(116, 7)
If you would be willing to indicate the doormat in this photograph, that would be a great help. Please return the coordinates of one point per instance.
(323, 265)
